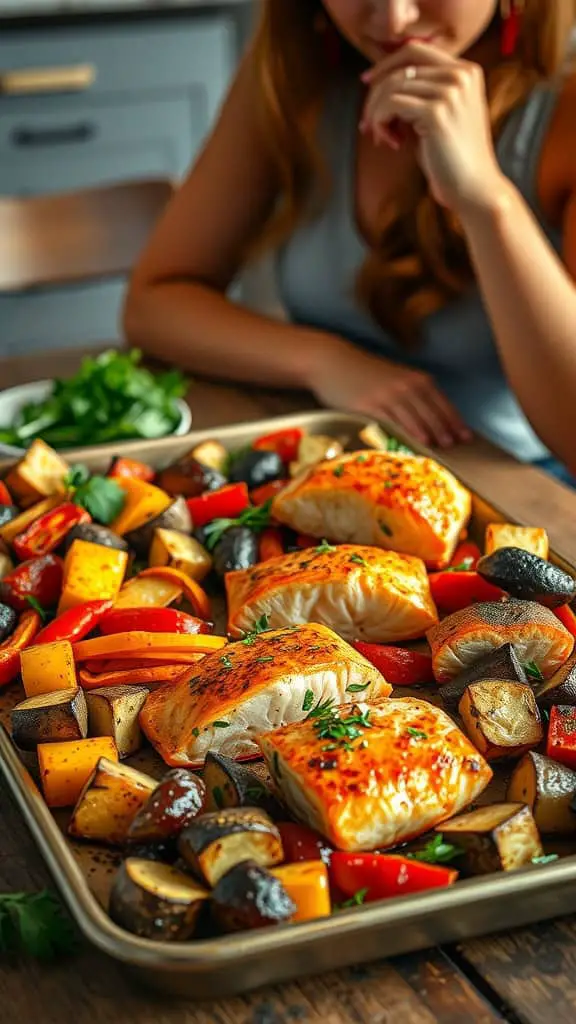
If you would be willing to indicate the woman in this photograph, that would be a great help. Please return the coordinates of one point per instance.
(415, 162)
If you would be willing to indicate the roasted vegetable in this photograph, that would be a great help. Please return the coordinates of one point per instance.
(175, 517)
(256, 468)
(39, 579)
(113, 711)
(191, 591)
(501, 718)
(8, 514)
(111, 798)
(121, 466)
(91, 571)
(382, 876)
(143, 502)
(50, 718)
(567, 618)
(155, 901)
(174, 804)
(48, 667)
(66, 767)
(47, 533)
(500, 663)
(211, 454)
(189, 477)
(284, 442)
(500, 837)
(227, 503)
(237, 549)
(507, 535)
(527, 577)
(134, 644)
(561, 687)
(399, 666)
(548, 788)
(40, 473)
(185, 553)
(13, 526)
(148, 592)
(8, 621)
(74, 624)
(314, 448)
(152, 620)
(561, 739)
(248, 897)
(230, 784)
(11, 649)
(6, 565)
(457, 589)
(95, 534)
(214, 843)
(306, 883)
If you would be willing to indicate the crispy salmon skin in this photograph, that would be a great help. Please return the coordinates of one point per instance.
(405, 503)
(408, 768)
(359, 592)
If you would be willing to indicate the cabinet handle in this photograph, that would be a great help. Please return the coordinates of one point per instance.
(29, 137)
(75, 78)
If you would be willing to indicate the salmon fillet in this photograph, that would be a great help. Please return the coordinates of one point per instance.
(359, 592)
(257, 684)
(408, 769)
(402, 503)
(534, 631)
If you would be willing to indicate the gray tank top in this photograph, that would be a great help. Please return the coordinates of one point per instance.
(317, 268)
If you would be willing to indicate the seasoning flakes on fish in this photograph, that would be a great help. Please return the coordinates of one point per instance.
(398, 502)
(373, 774)
(362, 593)
(260, 683)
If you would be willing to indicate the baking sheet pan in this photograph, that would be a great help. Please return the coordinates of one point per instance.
(215, 967)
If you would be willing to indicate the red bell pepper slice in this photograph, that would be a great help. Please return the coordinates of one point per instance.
(270, 544)
(38, 578)
(466, 556)
(263, 494)
(304, 541)
(152, 620)
(567, 618)
(284, 442)
(22, 636)
(561, 740)
(5, 496)
(132, 469)
(226, 503)
(301, 843)
(47, 532)
(398, 666)
(380, 875)
(75, 623)
(453, 591)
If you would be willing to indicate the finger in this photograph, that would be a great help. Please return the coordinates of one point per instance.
(377, 104)
(406, 417)
(438, 426)
(412, 53)
(450, 416)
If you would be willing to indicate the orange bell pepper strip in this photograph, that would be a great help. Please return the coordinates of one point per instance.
(139, 644)
(270, 544)
(22, 637)
(145, 675)
(191, 590)
(308, 887)
(98, 666)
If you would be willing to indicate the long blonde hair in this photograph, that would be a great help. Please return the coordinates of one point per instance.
(420, 261)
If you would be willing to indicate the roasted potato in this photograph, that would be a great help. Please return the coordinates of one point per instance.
(507, 535)
(113, 711)
(500, 837)
(155, 901)
(213, 843)
(372, 436)
(501, 718)
(175, 802)
(248, 896)
(169, 547)
(40, 473)
(560, 688)
(174, 518)
(50, 718)
(548, 788)
(230, 784)
(502, 663)
(109, 802)
(315, 448)
(211, 454)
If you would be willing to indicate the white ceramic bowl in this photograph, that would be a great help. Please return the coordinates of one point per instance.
(12, 400)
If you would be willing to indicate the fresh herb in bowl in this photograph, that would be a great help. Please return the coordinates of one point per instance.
(111, 398)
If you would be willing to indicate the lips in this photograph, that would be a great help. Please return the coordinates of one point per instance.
(393, 47)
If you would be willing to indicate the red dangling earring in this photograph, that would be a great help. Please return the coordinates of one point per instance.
(512, 12)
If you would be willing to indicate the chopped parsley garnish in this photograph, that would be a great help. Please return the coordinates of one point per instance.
(256, 518)
(101, 496)
(355, 901)
(324, 548)
(464, 566)
(341, 732)
(361, 458)
(385, 529)
(358, 560)
(226, 661)
(265, 658)
(546, 859)
(262, 625)
(308, 700)
(218, 797)
(338, 470)
(196, 733)
(437, 852)
(220, 725)
(417, 734)
(35, 604)
(533, 672)
(357, 687)
(394, 445)
(255, 792)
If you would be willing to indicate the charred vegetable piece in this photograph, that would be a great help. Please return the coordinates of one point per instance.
(211, 454)
(248, 897)
(174, 518)
(500, 837)
(121, 466)
(113, 711)
(527, 577)
(111, 798)
(230, 784)
(8, 621)
(13, 527)
(175, 802)
(214, 843)
(502, 663)
(155, 901)
(256, 468)
(40, 473)
(560, 688)
(8, 513)
(501, 718)
(50, 718)
(170, 547)
(548, 788)
(237, 549)
(66, 767)
(507, 535)
(189, 477)
(95, 534)
(37, 578)
(561, 739)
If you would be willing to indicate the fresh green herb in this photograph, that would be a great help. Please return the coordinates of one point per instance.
(265, 658)
(35, 604)
(34, 923)
(546, 859)
(328, 725)
(226, 661)
(308, 700)
(464, 566)
(196, 733)
(322, 708)
(255, 792)
(361, 458)
(324, 548)
(358, 560)
(437, 852)
(357, 687)
(533, 672)
(417, 734)
(545, 714)
(262, 625)
(355, 901)
(394, 445)
(220, 725)
(385, 529)
(77, 475)
(218, 797)
(256, 518)
(338, 470)
(102, 497)
(111, 398)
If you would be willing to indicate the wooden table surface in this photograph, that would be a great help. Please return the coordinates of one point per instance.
(527, 976)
